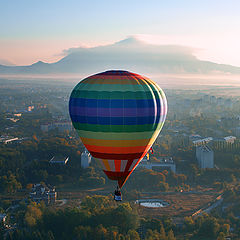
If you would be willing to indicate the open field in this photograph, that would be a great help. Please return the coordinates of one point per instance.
(181, 204)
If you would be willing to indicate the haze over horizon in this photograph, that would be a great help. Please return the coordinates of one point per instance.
(44, 31)
(130, 54)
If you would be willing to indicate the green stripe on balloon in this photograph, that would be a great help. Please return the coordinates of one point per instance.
(114, 136)
(117, 128)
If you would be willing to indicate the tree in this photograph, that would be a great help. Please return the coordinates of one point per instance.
(125, 217)
(9, 183)
(132, 235)
(170, 235)
(153, 235)
(50, 236)
(162, 232)
(189, 223)
(221, 236)
(100, 232)
(82, 232)
(225, 228)
(30, 220)
(33, 214)
(120, 237)
(95, 203)
(209, 227)
(112, 233)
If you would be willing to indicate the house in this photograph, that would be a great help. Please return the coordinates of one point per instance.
(43, 193)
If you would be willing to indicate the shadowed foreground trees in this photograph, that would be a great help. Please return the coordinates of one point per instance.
(99, 217)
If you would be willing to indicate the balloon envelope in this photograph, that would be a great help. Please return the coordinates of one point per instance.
(118, 115)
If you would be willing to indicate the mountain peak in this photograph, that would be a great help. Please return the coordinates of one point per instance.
(39, 63)
(130, 41)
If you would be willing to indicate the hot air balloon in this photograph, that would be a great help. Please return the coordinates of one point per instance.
(118, 115)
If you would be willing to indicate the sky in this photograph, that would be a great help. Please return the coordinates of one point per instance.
(32, 30)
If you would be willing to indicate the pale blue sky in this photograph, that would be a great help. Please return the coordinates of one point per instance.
(47, 27)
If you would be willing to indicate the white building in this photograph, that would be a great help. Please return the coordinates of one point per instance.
(165, 163)
(8, 139)
(230, 139)
(85, 159)
(202, 141)
(3, 217)
(59, 160)
(205, 156)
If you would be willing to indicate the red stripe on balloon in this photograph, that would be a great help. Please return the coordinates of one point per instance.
(109, 156)
(115, 175)
(116, 150)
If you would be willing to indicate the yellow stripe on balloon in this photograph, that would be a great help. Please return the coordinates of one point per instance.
(106, 164)
(117, 143)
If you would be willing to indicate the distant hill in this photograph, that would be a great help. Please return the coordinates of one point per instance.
(129, 54)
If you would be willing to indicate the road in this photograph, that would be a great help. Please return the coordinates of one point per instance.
(218, 201)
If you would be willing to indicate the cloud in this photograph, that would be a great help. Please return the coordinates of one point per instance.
(6, 62)
(67, 51)
(137, 43)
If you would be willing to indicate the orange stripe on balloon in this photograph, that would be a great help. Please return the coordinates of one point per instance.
(118, 150)
(117, 143)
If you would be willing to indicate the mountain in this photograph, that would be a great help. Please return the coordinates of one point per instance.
(129, 54)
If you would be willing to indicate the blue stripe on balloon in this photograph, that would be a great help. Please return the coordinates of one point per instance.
(113, 112)
(114, 103)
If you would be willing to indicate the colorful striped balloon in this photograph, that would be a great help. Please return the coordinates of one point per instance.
(118, 115)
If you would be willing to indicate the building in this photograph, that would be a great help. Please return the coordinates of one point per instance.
(85, 159)
(17, 114)
(3, 217)
(45, 127)
(8, 139)
(230, 139)
(30, 108)
(42, 193)
(205, 156)
(237, 131)
(164, 163)
(64, 126)
(61, 126)
(194, 137)
(202, 141)
(56, 160)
